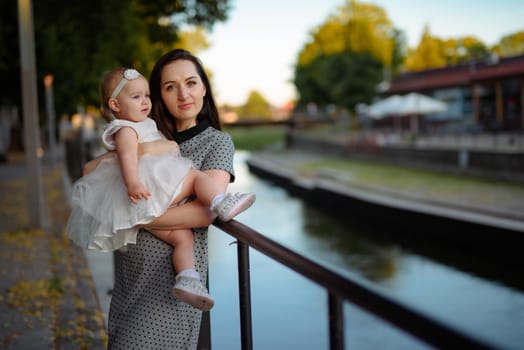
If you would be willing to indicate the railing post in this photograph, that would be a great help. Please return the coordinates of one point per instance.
(336, 323)
(244, 296)
(204, 337)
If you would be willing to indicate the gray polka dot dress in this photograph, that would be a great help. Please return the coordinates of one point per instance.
(143, 313)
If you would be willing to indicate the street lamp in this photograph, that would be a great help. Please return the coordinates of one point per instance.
(50, 108)
(30, 108)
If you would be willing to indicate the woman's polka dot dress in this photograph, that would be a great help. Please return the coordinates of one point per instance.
(143, 313)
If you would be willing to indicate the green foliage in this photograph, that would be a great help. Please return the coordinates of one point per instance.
(9, 54)
(77, 51)
(433, 52)
(510, 45)
(328, 70)
(193, 40)
(399, 52)
(424, 182)
(308, 82)
(256, 107)
(343, 79)
(357, 27)
(77, 41)
(347, 56)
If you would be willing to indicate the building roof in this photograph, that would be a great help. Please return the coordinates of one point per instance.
(460, 75)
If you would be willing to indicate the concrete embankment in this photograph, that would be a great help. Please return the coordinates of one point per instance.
(466, 155)
(495, 231)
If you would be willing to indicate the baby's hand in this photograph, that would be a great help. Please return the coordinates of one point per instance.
(137, 192)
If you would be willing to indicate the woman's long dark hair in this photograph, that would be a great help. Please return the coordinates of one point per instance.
(165, 120)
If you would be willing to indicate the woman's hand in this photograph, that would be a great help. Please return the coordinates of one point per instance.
(158, 147)
(152, 147)
(92, 164)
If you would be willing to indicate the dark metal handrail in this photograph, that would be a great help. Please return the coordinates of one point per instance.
(339, 289)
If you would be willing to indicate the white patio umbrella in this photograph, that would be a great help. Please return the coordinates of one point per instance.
(410, 104)
(385, 107)
(415, 103)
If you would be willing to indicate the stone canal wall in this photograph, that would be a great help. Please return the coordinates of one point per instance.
(492, 164)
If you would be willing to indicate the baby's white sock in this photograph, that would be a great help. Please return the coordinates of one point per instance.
(191, 273)
(218, 198)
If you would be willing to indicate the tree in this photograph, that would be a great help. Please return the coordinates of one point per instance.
(83, 39)
(193, 40)
(456, 51)
(434, 52)
(344, 79)
(428, 53)
(399, 52)
(356, 27)
(256, 107)
(9, 50)
(347, 56)
(510, 45)
(308, 80)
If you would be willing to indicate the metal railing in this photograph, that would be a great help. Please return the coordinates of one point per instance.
(339, 289)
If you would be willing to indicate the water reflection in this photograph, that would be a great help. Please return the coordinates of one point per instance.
(343, 243)
(375, 253)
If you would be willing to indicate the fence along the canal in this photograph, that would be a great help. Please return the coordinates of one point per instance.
(339, 290)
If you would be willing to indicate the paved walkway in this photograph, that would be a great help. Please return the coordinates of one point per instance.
(47, 295)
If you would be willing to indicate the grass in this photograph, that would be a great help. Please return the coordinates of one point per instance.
(424, 183)
(258, 138)
(255, 138)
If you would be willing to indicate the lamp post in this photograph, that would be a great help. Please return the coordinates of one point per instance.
(50, 108)
(30, 108)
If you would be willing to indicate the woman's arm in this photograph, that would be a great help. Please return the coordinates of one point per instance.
(92, 164)
(153, 147)
(192, 214)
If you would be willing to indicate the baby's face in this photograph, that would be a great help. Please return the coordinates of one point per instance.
(134, 100)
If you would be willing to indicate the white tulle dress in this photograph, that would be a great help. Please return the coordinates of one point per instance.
(102, 215)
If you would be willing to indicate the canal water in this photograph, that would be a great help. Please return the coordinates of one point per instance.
(290, 312)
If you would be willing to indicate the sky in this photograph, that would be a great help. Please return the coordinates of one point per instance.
(257, 47)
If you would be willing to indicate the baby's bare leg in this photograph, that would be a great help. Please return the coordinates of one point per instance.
(199, 184)
(188, 286)
(182, 240)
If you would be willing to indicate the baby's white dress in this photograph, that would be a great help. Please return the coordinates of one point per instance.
(102, 215)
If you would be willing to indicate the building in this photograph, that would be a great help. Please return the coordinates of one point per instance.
(488, 93)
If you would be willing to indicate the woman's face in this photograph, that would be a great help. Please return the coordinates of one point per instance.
(183, 92)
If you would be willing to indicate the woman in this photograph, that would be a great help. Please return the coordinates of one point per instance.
(143, 314)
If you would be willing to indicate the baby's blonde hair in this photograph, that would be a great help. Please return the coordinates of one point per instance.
(109, 82)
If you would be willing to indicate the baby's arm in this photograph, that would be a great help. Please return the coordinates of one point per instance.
(126, 142)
